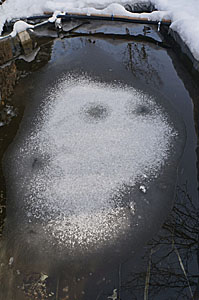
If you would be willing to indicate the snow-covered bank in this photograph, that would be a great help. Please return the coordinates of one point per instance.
(183, 13)
(185, 21)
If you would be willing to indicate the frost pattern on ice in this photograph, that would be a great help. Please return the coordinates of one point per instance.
(95, 142)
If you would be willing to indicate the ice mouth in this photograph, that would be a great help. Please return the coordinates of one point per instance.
(95, 142)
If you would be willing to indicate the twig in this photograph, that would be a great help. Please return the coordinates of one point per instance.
(120, 280)
(57, 289)
(183, 268)
(98, 295)
(146, 289)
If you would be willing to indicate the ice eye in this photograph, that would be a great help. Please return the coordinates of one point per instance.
(94, 112)
(142, 110)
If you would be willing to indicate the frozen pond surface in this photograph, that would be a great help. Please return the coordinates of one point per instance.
(92, 171)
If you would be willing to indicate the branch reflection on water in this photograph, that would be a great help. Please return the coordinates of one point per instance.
(137, 60)
(172, 257)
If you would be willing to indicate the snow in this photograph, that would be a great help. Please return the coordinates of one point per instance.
(112, 9)
(20, 26)
(185, 21)
(143, 189)
(92, 148)
(54, 16)
(183, 13)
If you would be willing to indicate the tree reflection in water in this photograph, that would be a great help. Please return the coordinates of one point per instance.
(137, 59)
(171, 257)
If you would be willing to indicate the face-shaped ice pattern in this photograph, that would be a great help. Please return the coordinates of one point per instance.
(94, 140)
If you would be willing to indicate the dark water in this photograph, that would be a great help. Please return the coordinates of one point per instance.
(157, 259)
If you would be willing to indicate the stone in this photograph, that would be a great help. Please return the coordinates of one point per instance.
(26, 42)
(5, 51)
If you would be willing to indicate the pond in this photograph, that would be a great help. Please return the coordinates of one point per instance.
(99, 169)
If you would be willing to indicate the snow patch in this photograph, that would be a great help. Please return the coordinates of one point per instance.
(143, 189)
(20, 26)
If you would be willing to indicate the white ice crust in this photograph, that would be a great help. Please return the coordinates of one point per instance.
(183, 13)
(95, 142)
